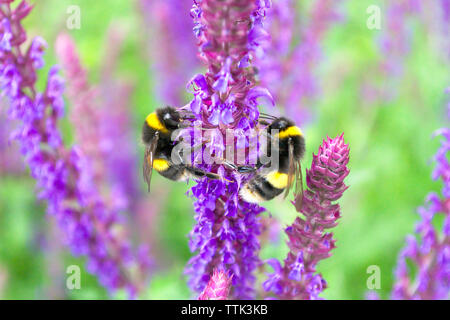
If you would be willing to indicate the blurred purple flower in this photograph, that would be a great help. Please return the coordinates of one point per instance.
(308, 241)
(218, 287)
(117, 127)
(372, 295)
(84, 113)
(225, 97)
(64, 177)
(394, 43)
(10, 160)
(171, 46)
(50, 244)
(117, 134)
(101, 122)
(270, 230)
(396, 40)
(445, 5)
(288, 68)
(429, 251)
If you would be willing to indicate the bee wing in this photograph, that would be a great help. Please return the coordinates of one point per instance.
(292, 172)
(148, 161)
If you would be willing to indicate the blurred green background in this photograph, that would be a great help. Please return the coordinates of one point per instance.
(391, 150)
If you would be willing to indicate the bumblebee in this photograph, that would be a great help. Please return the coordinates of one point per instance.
(156, 136)
(269, 182)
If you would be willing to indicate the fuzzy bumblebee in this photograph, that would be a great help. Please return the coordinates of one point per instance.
(157, 138)
(270, 181)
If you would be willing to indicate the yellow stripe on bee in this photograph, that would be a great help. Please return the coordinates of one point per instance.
(153, 122)
(161, 165)
(290, 132)
(277, 179)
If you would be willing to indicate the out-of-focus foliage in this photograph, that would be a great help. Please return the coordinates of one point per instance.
(391, 147)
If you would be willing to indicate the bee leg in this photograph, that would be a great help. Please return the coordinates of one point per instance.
(246, 169)
(241, 169)
(199, 173)
(230, 165)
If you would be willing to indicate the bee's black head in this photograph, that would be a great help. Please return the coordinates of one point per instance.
(169, 116)
(281, 124)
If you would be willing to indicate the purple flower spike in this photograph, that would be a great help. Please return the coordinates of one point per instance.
(84, 114)
(171, 47)
(226, 236)
(308, 241)
(429, 250)
(63, 175)
(288, 68)
(101, 122)
(226, 97)
(10, 160)
(218, 287)
(394, 44)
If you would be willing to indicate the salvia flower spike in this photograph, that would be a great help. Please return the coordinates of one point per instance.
(309, 242)
(289, 67)
(429, 250)
(63, 175)
(169, 29)
(230, 35)
(100, 120)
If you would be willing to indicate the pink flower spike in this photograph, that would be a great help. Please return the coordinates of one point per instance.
(218, 286)
(309, 240)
